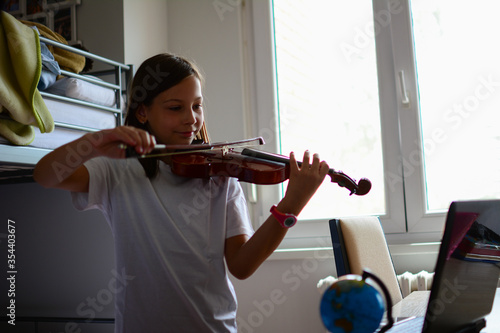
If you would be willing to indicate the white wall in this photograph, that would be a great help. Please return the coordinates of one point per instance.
(196, 31)
(127, 31)
(100, 28)
(282, 296)
(145, 29)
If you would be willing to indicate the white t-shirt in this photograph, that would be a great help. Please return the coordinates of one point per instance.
(169, 237)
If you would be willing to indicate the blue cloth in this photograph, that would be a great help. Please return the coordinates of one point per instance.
(50, 67)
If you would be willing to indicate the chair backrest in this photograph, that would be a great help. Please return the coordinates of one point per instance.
(359, 243)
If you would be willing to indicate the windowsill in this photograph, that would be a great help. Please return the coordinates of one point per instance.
(302, 253)
(397, 250)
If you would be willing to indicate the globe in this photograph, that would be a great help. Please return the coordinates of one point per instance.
(351, 305)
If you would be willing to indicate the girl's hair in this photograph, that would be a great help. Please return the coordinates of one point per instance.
(155, 75)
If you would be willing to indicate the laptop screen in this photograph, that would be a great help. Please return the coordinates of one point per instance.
(468, 267)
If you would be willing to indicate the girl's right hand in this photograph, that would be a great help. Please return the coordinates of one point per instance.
(110, 142)
(64, 167)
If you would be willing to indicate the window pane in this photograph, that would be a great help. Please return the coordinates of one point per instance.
(457, 55)
(328, 97)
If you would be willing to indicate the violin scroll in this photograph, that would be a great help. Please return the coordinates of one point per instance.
(364, 186)
(361, 188)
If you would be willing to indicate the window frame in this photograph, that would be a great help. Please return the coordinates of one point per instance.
(401, 125)
(406, 219)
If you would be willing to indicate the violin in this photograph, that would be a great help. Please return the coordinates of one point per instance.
(249, 165)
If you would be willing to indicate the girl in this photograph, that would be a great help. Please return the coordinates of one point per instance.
(174, 236)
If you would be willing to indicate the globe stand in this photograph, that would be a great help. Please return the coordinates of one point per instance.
(390, 320)
(353, 304)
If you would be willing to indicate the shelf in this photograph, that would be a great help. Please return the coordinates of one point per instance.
(18, 163)
(16, 155)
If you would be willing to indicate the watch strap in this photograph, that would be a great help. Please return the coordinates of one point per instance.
(286, 220)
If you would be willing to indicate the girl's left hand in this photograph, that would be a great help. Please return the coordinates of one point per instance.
(244, 255)
(304, 181)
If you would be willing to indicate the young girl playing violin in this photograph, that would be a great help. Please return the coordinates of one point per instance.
(173, 236)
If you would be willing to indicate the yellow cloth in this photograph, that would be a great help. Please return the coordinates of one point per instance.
(20, 69)
(67, 60)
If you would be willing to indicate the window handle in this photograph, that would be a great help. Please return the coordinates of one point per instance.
(404, 94)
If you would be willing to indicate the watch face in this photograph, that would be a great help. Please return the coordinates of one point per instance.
(289, 221)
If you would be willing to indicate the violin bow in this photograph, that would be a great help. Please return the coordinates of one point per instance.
(166, 150)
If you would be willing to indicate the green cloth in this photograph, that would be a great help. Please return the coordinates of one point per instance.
(20, 69)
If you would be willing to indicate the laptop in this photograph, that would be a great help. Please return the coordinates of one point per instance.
(466, 273)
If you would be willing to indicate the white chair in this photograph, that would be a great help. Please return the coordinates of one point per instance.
(360, 243)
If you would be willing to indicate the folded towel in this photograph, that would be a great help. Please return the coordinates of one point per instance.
(20, 68)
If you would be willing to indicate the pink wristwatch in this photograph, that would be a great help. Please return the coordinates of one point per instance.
(286, 220)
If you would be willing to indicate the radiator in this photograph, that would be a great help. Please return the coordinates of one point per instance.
(410, 282)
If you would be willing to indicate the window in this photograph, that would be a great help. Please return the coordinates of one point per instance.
(328, 97)
(458, 65)
(404, 94)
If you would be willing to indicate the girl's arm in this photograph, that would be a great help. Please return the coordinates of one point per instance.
(63, 167)
(243, 254)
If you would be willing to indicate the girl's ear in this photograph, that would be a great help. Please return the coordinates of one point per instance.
(141, 114)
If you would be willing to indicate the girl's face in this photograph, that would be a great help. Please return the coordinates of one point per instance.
(176, 114)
